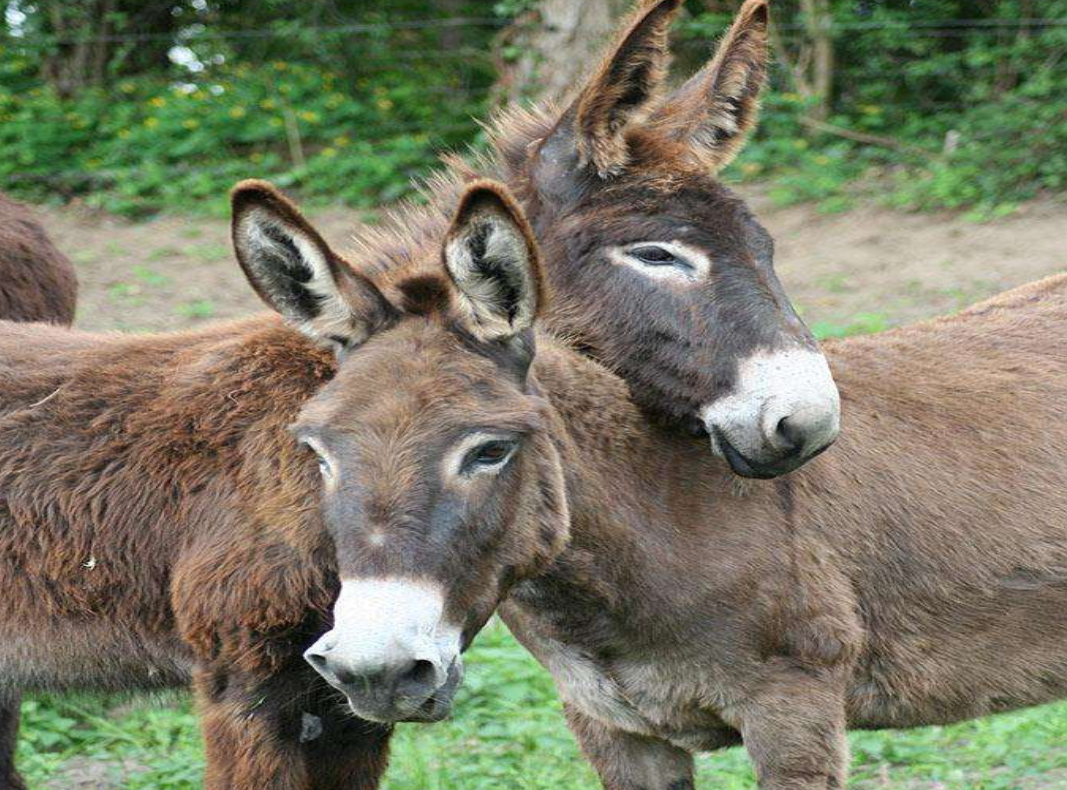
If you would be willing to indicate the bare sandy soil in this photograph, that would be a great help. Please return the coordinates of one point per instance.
(890, 267)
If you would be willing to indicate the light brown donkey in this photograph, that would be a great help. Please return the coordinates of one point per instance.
(160, 523)
(37, 282)
(915, 574)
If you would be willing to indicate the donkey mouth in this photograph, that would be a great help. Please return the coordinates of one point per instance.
(747, 467)
(438, 706)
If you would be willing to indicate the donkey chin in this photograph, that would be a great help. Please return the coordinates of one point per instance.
(783, 412)
(390, 651)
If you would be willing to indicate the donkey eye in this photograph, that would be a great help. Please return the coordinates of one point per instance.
(324, 466)
(656, 256)
(488, 455)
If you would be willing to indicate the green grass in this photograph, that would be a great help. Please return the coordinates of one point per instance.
(508, 732)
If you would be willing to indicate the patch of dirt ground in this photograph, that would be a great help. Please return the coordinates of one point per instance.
(893, 267)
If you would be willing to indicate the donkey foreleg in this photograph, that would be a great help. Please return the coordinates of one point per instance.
(248, 728)
(286, 731)
(347, 753)
(625, 761)
(9, 727)
(795, 732)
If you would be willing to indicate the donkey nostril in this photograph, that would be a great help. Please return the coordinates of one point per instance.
(344, 677)
(790, 435)
(420, 676)
(317, 660)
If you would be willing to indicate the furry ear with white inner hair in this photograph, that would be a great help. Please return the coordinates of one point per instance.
(491, 257)
(296, 273)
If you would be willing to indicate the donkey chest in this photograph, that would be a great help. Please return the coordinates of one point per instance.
(664, 699)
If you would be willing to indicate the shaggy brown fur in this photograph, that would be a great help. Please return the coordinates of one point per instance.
(37, 282)
(157, 521)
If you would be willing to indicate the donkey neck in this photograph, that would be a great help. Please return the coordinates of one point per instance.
(646, 503)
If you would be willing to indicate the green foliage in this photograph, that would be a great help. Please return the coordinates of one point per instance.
(181, 144)
(943, 103)
(861, 324)
(508, 731)
(969, 103)
(347, 107)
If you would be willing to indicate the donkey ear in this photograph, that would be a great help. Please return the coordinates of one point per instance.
(296, 273)
(594, 127)
(717, 107)
(491, 258)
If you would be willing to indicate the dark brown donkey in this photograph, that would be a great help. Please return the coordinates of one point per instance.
(916, 574)
(37, 282)
(652, 265)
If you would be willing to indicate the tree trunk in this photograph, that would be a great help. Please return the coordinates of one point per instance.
(818, 19)
(811, 60)
(81, 51)
(549, 51)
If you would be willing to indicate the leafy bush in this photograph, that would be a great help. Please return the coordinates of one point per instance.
(967, 100)
(936, 103)
(178, 144)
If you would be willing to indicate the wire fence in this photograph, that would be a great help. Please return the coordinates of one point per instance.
(461, 60)
(194, 33)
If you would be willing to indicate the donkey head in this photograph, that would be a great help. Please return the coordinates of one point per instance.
(440, 485)
(657, 269)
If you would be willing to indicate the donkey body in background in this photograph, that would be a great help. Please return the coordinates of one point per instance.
(37, 282)
(916, 574)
